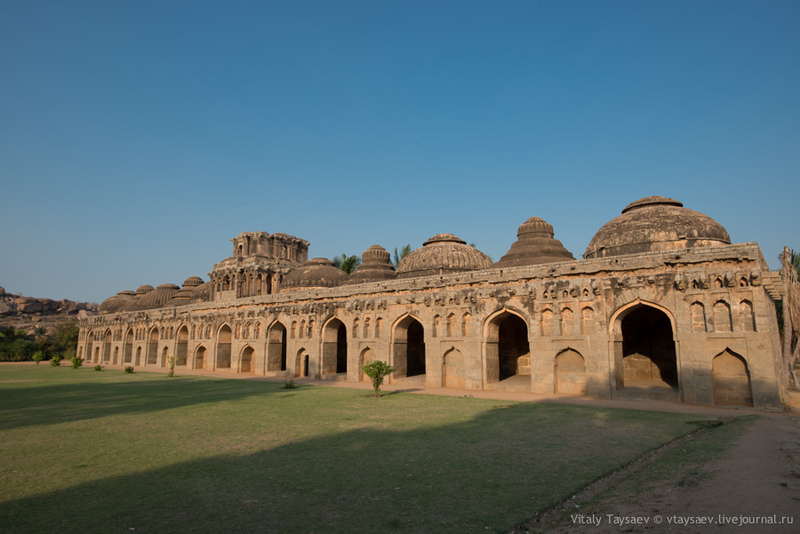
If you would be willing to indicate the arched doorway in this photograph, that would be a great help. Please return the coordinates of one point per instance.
(152, 347)
(107, 347)
(200, 358)
(508, 352)
(409, 348)
(127, 356)
(334, 347)
(138, 356)
(731, 379)
(224, 347)
(182, 347)
(276, 347)
(246, 363)
(89, 343)
(646, 357)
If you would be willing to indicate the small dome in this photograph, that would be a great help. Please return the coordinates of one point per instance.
(375, 266)
(654, 224)
(192, 281)
(141, 290)
(117, 302)
(535, 245)
(442, 254)
(317, 272)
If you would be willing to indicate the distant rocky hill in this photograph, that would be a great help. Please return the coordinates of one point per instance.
(26, 313)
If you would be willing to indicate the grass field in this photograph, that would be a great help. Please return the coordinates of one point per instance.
(85, 451)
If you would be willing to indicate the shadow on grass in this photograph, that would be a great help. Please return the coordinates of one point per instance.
(88, 395)
(485, 474)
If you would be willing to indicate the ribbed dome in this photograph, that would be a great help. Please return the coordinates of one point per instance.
(375, 265)
(653, 224)
(157, 298)
(117, 302)
(535, 245)
(192, 281)
(317, 272)
(141, 290)
(442, 254)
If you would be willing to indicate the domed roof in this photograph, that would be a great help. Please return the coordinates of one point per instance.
(535, 245)
(141, 290)
(375, 265)
(156, 298)
(317, 272)
(192, 281)
(117, 302)
(442, 254)
(652, 224)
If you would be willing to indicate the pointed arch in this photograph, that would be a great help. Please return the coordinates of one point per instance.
(731, 378)
(570, 371)
(276, 347)
(224, 337)
(408, 347)
(507, 346)
(127, 355)
(246, 359)
(152, 346)
(453, 369)
(182, 346)
(334, 347)
(200, 357)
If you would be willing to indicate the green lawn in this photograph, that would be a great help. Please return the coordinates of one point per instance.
(85, 451)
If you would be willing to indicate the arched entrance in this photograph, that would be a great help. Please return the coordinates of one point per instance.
(182, 347)
(334, 347)
(646, 356)
(367, 355)
(246, 362)
(224, 347)
(731, 379)
(200, 358)
(508, 352)
(276, 347)
(107, 347)
(152, 347)
(89, 343)
(127, 356)
(138, 356)
(409, 348)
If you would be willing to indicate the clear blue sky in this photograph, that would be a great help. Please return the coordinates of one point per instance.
(138, 137)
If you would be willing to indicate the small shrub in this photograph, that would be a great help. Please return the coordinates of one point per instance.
(289, 384)
(129, 369)
(38, 357)
(76, 362)
(377, 371)
(98, 367)
(55, 361)
(171, 360)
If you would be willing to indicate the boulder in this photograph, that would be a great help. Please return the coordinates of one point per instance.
(28, 305)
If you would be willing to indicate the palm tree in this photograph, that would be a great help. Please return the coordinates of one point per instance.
(346, 263)
(398, 256)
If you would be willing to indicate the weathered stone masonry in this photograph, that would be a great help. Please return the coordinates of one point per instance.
(662, 317)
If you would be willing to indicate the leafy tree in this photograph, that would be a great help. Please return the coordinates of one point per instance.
(377, 371)
(65, 336)
(38, 357)
(398, 256)
(347, 263)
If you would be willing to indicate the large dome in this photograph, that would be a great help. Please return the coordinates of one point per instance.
(157, 298)
(442, 254)
(317, 272)
(534, 245)
(653, 224)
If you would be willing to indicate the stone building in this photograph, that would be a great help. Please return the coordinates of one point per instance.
(662, 305)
